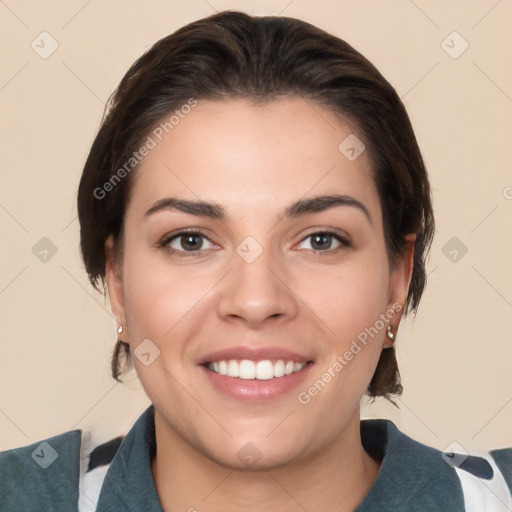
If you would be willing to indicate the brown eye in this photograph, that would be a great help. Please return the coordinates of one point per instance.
(190, 242)
(323, 241)
(187, 242)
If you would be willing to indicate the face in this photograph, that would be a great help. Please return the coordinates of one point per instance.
(255, 288)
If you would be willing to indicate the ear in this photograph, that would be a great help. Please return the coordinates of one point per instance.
(399, 283)
(114, 283)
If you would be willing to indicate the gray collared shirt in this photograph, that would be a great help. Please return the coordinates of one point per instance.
(45, 476)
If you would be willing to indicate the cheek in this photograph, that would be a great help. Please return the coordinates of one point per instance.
(349, 302)
(347, 298)
(162, 300)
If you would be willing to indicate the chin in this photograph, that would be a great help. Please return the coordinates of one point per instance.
(253, 456)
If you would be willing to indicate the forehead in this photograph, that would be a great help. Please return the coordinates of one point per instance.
(246, 156)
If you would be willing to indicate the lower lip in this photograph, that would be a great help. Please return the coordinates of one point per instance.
(257, 390)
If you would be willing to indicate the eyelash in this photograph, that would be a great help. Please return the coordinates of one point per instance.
(345, 242)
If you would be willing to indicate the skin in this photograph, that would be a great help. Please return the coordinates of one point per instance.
(255, 161)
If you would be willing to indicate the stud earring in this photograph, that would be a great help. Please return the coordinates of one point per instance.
(120, 329)
(391, 334)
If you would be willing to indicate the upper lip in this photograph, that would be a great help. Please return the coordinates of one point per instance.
(253, 354)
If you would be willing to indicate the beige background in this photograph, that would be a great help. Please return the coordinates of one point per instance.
(57, 333)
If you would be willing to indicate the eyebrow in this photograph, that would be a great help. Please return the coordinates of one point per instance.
(297, 209)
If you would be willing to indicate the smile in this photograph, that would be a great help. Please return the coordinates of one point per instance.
(255, 370)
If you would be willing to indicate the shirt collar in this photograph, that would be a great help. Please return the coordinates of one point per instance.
(409, 472)
(412, 475)
(129, 483)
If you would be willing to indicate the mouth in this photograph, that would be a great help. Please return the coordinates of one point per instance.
(246, 369)
(255, 375)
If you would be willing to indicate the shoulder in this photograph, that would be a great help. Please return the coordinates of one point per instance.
(503, 459)
(419, 477)
(41, 475)
(59, 473)
(487, 487)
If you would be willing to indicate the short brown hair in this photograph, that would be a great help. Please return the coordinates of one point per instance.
(232, 55)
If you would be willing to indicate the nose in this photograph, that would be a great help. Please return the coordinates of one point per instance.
(256, 293)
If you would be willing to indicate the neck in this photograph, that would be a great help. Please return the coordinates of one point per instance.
(337, 478)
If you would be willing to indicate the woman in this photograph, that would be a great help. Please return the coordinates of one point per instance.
(257, 206)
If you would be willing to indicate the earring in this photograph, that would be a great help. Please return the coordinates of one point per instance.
(391, 334)
(120, 329)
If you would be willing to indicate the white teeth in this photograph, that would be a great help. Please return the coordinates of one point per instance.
(279, 369)
(247, 369)
(232, 369)
(250, 370)
(297, 367)
(264, 370)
